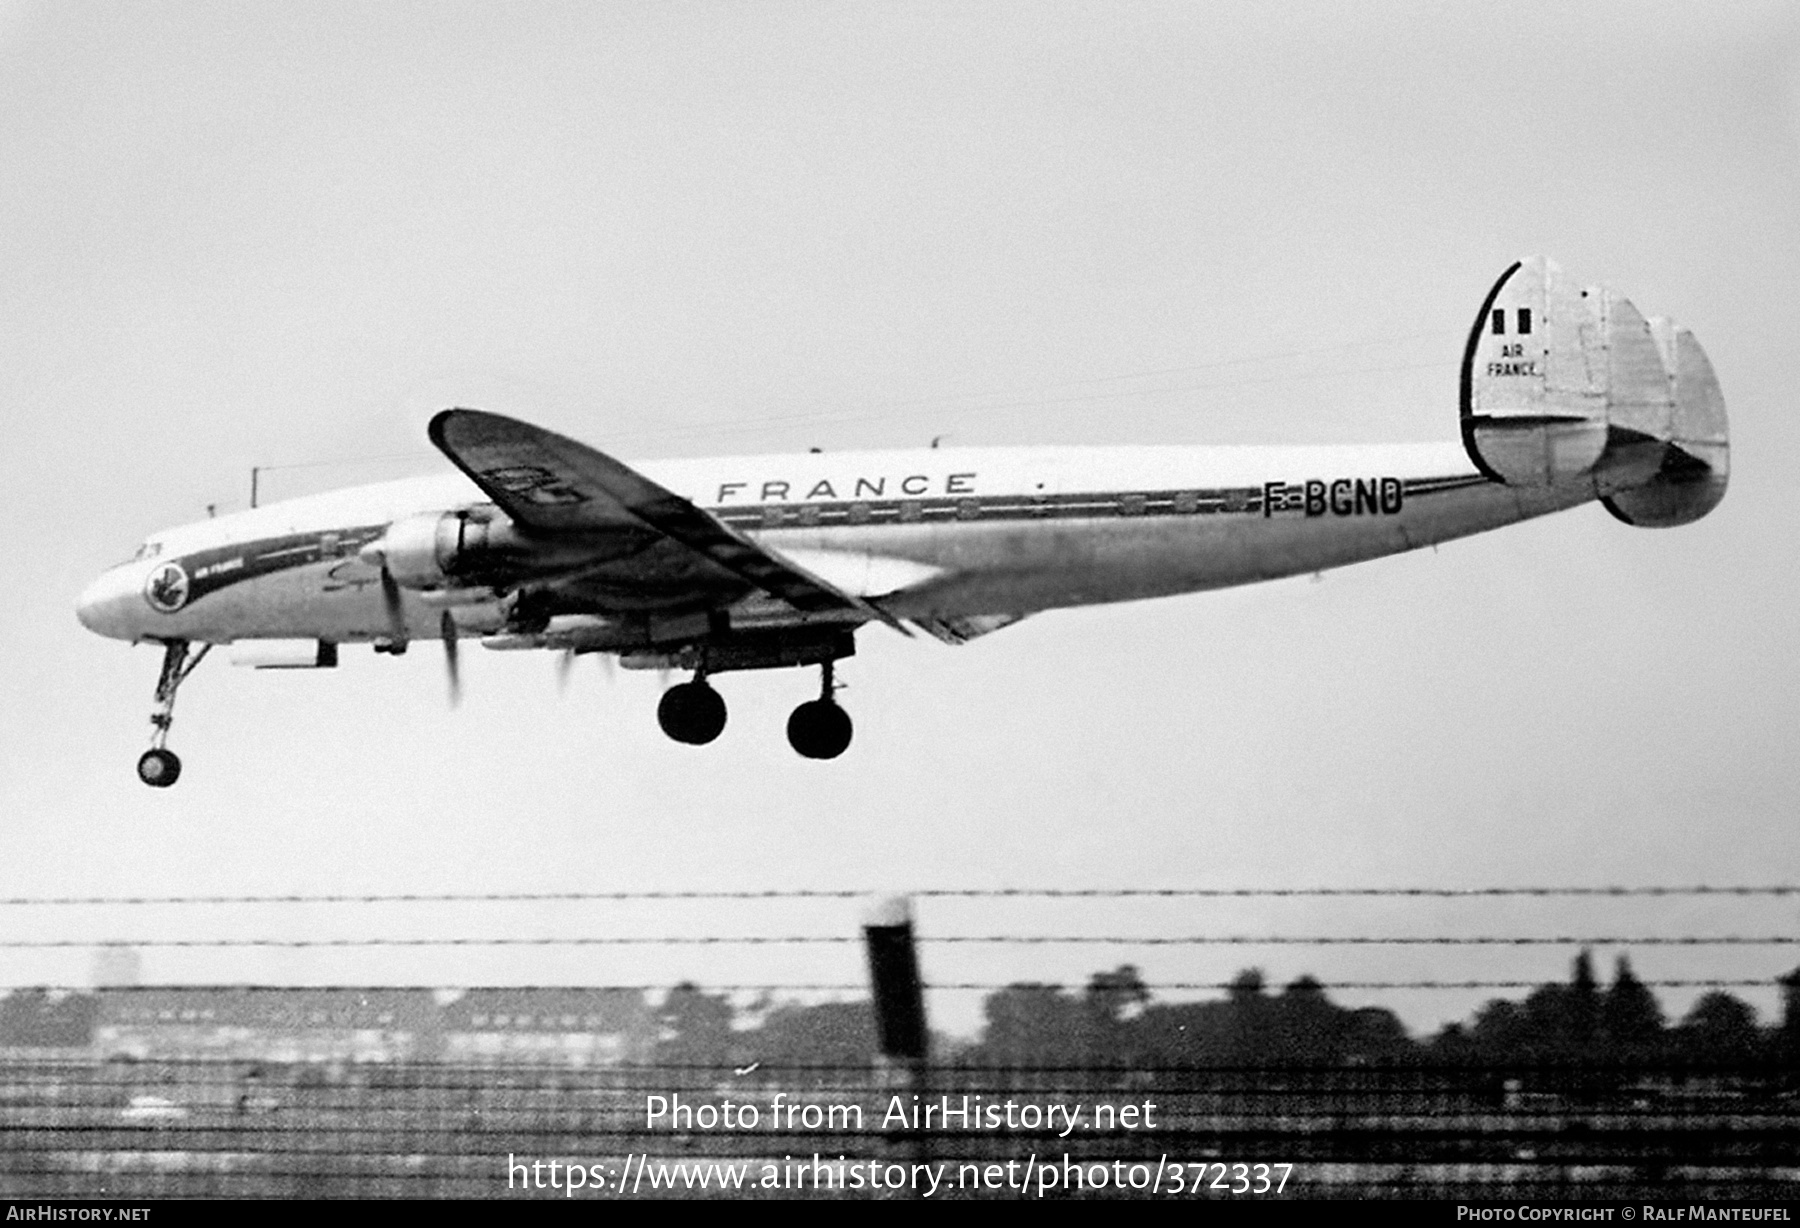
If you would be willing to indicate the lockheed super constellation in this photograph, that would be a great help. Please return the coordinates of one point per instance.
(1567, 395)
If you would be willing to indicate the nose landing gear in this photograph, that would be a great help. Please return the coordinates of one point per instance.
(159, 767)
(819, 729)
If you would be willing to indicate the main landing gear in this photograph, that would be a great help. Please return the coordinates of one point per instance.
(819, 729)
(159, 767)
(694, 713)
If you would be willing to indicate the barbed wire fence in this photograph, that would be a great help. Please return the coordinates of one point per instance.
(1197, 1084)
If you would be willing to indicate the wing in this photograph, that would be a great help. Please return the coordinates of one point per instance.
(555, 486)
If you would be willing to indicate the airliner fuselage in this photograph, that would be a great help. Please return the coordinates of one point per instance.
(939, 535)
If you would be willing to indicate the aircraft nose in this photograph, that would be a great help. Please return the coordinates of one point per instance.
(105, 605)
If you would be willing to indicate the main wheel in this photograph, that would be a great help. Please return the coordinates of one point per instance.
(159, 768)
(692, 713)
(819, 729)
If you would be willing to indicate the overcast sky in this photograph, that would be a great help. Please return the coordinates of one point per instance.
(250, 235)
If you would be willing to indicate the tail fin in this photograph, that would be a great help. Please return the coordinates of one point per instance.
(1564, 384)
(1697, 462)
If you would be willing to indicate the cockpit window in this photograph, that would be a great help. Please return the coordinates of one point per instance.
(148, 550)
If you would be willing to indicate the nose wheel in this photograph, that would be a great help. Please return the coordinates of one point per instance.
(692, 713)
(159, 767)
(819, 729)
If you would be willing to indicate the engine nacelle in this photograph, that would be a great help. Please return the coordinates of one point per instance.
(445, 550)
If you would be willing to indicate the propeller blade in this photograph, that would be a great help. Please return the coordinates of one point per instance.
(390, 598)
(564, 662)
(447, 628)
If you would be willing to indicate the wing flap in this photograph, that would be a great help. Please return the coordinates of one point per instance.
(860, 573)
(963, 628)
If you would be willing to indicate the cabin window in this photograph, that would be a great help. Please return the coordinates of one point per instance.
(330, 546)
(809, 514)
(967, 509)
(1187, 502)
(859, 513)
(1132, 505)
(1499, 321)
(911, 510)
(1524, 319)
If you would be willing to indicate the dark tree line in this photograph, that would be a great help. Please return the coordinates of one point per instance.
(699, 1031)
(1622, 1024)
(38, 1019)
(1114, 1022)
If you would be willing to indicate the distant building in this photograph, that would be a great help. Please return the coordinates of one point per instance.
(267, 1024)
(549, 1026)
(561, 1027)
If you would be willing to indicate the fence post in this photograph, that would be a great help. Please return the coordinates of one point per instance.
(900, 1029)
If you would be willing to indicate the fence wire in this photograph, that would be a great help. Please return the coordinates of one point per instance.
(1126, 1085)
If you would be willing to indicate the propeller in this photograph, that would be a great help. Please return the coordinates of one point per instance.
(447, 629)
(390, 598)
(565, 663)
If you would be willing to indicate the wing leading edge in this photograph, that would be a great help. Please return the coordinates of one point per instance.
(553, 485)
